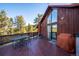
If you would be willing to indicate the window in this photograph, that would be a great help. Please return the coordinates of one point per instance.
(51, 25)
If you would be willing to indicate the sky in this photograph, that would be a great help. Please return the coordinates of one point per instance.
(28, 10)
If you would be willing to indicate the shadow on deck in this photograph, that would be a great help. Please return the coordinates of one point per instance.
(34, 47)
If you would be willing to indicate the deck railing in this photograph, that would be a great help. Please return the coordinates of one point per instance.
(8, 38)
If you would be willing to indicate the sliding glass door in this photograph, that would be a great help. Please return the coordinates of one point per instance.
(49, 27)
(52, 25)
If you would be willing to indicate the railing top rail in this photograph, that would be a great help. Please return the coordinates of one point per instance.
(18, 34)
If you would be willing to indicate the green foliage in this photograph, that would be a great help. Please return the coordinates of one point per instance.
(16, 30)
(9, 26)
(6, 25)
(28, 29)
(20, 20)
(38, 18)
(3, 22)
(20, 23)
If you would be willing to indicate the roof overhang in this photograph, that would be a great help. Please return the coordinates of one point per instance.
(64, 5)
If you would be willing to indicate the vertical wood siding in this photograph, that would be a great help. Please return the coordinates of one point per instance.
(70, 22)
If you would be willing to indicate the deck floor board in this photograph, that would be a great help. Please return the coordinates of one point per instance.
(35, 47)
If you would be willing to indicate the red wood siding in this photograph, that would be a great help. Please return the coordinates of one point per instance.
(44, 28)
(70, 22)
(67, 26)
(39, 28)
(43, 23)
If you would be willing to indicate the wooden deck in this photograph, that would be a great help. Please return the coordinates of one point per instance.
(35, 47)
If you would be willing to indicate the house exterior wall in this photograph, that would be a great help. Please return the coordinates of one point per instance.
(68, 20)
(42, 26)
(67, 27)
(39, 28)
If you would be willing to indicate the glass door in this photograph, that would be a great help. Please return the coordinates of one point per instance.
(77, 44)
(52, 26)
(49, 27)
